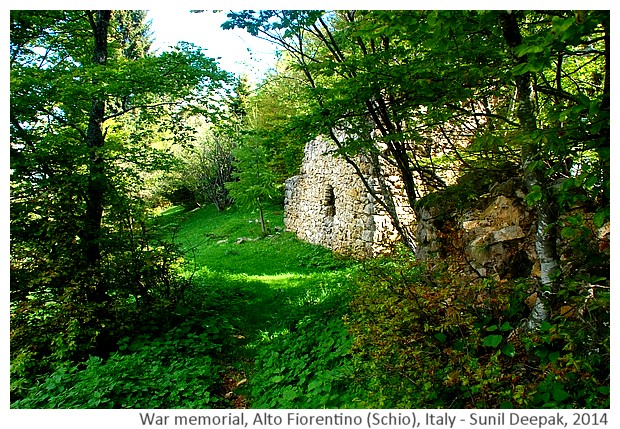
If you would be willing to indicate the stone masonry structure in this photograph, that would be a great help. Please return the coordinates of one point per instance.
(328, 204)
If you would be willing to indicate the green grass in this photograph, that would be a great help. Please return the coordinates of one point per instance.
(260, 325)
(271, 289)
(264, 278)
(210, 237)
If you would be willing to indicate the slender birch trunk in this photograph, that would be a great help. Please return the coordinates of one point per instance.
(545, 207)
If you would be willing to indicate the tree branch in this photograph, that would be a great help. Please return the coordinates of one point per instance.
(142, 106)
(485, 114)
(65, 122)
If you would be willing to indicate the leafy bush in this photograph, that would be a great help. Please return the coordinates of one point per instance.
(308, 368)
(426, 337)
(303, 359)
(141, 281)
(175, 370)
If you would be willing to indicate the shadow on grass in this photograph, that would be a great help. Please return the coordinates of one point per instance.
(262, 307)
(266, 288)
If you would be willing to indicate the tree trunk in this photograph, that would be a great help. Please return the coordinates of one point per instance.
(97, 182)
(605, 111)
(261, 215)
(534, 178)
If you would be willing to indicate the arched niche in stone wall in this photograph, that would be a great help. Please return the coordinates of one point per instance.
(329, 202)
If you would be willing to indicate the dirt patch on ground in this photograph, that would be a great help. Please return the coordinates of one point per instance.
(233, 382)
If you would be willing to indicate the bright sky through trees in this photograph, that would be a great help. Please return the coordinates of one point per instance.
(238, 52)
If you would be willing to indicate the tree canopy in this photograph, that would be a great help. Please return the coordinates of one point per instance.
(88, 104)
(437, 94)
(104, 133)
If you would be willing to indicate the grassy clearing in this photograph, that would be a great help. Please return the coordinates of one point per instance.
(210, 238)
(259, 326)
(284, 298)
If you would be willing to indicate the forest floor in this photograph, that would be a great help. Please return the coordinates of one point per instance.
(271, 322)
(263, 286)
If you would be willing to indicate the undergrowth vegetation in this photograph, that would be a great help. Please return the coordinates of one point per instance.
(425, 337)
(245, 294)
(272, 322)
(172, 369)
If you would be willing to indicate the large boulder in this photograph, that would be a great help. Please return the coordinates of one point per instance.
(498, 239)
(492, 235)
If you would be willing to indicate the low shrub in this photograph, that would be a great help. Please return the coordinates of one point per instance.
(307, 368)
(426, 337)
(178, 369)
(61, 316)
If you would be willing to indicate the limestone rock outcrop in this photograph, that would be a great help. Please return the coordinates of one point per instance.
(495, 237)
(499, 239)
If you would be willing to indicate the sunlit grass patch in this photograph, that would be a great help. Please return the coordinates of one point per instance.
(170, 211)
(276, 280)
(277, 292)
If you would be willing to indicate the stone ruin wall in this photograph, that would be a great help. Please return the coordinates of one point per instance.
(327, 204)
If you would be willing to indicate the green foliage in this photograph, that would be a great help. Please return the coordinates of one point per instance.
(204, 164)
(573, 359)
(175, 369)
(306, 368)
(585, 244)
(280, 99)
(414, 336)
(71, 326)
(254, 180)
(255, 184)
(468, 192)
(86, 268)
(284, 296)
(205, 167)
(425, 339)
(372, 73)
